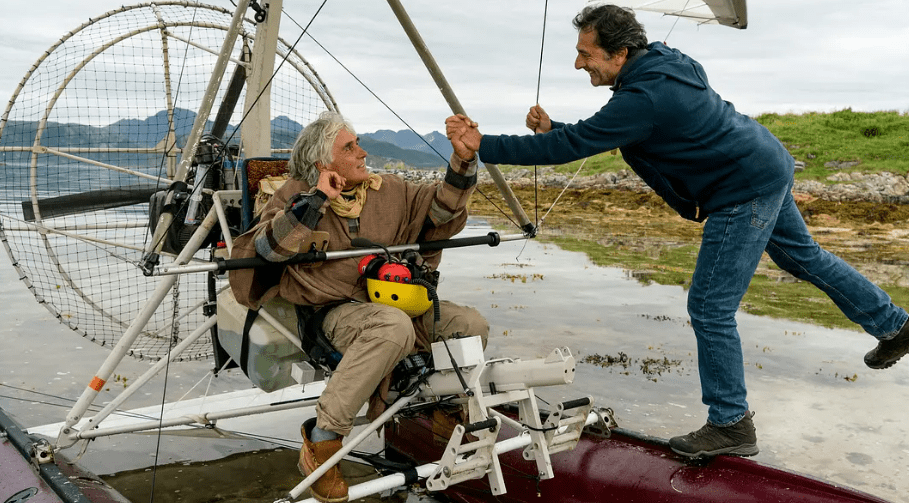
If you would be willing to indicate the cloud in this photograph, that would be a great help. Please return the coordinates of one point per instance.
(795, 56)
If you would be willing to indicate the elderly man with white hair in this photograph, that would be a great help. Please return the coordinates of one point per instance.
(330, 190)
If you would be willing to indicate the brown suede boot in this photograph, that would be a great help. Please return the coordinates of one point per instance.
(331, 487)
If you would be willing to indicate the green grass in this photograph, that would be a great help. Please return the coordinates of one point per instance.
(879, 140)
(607, 162)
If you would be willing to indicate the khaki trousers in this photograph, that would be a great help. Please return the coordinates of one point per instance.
(373, 338)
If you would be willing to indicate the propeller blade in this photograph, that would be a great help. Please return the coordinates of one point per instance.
(93, 200)
(229, 103)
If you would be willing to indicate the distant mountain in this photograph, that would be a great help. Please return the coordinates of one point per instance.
(434, 143)
(383, 146)
(391, 153)
(149, 131)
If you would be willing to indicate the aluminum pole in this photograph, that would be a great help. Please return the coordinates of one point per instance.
(395, 480)
(455, 105)
(192, 141)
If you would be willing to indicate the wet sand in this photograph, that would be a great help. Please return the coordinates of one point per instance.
(820, 411)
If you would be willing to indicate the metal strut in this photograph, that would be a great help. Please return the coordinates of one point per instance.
(494, 382)
(423, 50)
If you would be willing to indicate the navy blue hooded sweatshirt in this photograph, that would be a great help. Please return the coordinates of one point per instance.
(673, 129)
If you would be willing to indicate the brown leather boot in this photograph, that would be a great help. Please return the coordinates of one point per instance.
(331, 487)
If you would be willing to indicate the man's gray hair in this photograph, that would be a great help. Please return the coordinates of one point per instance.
(616, 27)
(314, 144)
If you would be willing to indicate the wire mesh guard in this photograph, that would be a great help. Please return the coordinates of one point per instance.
(95, 127)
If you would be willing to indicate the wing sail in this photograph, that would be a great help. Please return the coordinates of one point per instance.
(732, 13)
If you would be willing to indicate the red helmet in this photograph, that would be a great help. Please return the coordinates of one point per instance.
(367, 262)
(397, 272)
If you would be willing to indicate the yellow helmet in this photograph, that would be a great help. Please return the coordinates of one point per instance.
(408, 297)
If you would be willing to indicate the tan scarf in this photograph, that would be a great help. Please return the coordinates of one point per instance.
(351, 202)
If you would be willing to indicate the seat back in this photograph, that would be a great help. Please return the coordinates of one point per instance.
(253, 171)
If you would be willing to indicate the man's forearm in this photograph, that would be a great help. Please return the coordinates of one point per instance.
(279, 239)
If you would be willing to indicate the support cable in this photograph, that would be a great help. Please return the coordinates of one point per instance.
(676, 21)
(403, 121)
(536, 202)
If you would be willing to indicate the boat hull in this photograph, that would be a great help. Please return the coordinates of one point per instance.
(23, 478)
(626, 467)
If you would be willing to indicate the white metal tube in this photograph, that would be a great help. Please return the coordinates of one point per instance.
(256, 134)
(188, 420)
(389, 482)
(47, 150)
(561, 438)
(462, 470)
(153, 371)
(211, 92)
(200, 46)
(507, 376)
(507, 420)
(380, 484)
(222, 220)
(55, 150)
(81, 237)
(351, 445)
(192, 141)
(436, 73)
(186, 312)
(168, 270)
(135, 328)
(21, 226)
(106, 226)
(170, 137)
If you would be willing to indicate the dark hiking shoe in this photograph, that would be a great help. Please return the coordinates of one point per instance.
(890, 351)
(738, 439)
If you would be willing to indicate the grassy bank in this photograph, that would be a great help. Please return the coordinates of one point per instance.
(639, 233)
(878, 141)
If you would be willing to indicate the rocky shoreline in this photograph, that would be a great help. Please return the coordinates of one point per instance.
(845, 187)
(859, 216)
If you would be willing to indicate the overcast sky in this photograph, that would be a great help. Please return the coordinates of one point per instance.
(795, 56)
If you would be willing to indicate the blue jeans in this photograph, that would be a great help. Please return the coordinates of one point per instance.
(733, 241)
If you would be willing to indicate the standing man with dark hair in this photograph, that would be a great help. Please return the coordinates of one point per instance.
(713, 165)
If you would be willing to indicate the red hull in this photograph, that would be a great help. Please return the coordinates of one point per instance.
(23, 479)
(626, 467)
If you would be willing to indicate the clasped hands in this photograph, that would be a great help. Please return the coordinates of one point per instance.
(466, 137)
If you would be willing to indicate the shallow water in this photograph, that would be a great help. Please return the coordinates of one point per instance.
(820, 411)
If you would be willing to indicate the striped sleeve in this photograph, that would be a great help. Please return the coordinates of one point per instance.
(282, 230)
(452, 195)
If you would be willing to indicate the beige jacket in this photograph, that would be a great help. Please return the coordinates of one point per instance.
(395, 214)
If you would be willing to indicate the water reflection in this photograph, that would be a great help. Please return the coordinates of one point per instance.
(820, 411)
